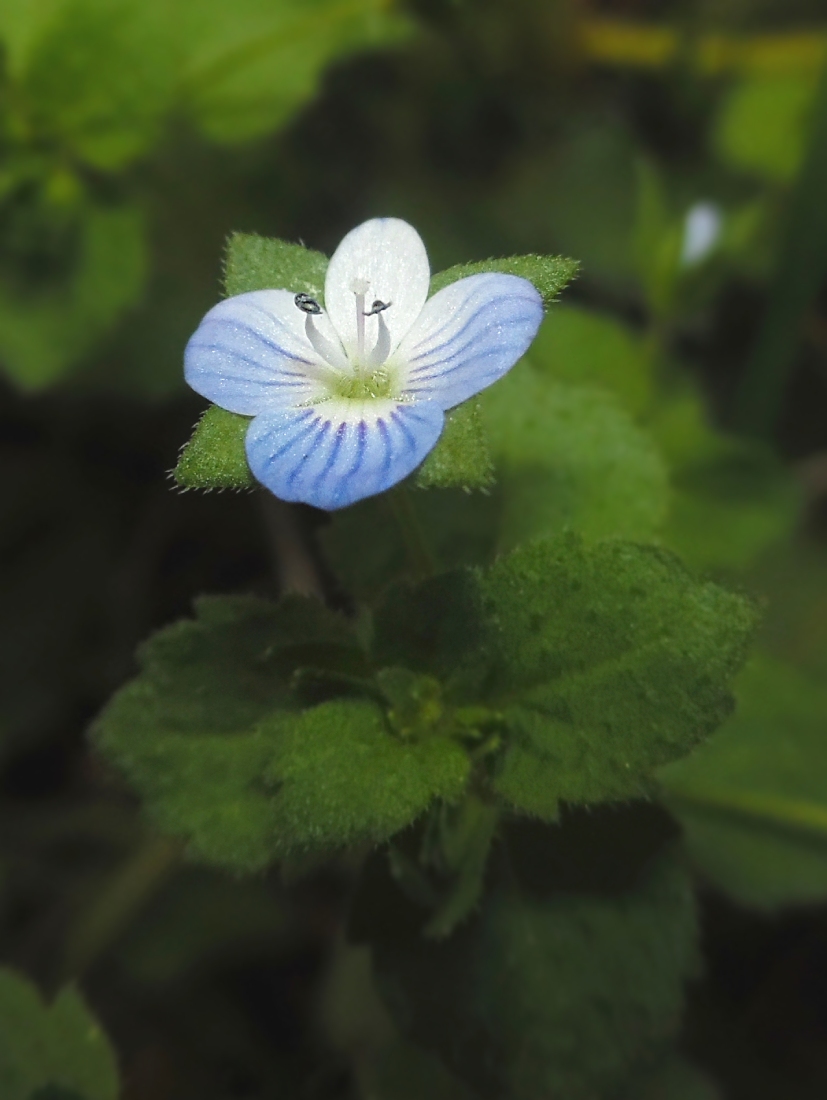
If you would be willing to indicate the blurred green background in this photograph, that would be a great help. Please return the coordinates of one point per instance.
(678, 149)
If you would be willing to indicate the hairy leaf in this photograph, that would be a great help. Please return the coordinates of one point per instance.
(214, 736)
(58, 1046)
(342, 779)
(550, 274)
(214, 457)
(611, 661)
(570, 457)
(267, 263)
(461, 457)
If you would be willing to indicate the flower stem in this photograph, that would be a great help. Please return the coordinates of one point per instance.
(419, 553)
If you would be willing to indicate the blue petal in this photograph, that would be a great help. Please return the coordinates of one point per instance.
(250, 354)
(467, 336)
(338, 452)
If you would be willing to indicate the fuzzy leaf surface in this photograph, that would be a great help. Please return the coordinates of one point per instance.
(612, 660)
(253, 733)
(214, 457)
(550, 274)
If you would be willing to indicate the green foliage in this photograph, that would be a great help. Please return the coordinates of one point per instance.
(45, 328)
(54, 1051)
(565, 672)
(89, 88)
(564, 457)
(214, 736)
(248, 67)
(365, 785)
(99, 81)
(761, 125)
(214, 457)
(550, 274)
(562, 995)
(583, 347)
(568, 456)
(752, 800)
(731, 497)
(612, 660)
(266, 263)
(461, 457)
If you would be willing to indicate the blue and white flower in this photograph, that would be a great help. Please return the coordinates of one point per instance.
(348, 399)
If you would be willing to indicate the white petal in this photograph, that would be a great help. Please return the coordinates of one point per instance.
(251, 354)
(340, 451)
(388, 255)
(467, 336)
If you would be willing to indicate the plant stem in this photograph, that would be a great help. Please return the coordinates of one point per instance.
(422, 560)
(118, 903)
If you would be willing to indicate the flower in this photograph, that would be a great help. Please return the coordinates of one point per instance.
(702, 228)
(348, 399)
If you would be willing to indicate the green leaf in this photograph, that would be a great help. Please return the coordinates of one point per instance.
(731, 497)
(565, 457)
(342, 779)
(582, 347)
(570, 457)
(99, 82)
(249, 66)
(559, 996)
(215, 458)
(611, 661)
(461, 456)
(267, 263)
(550, 274)
(213, 736)
(761, 125)
(752, 800)
(45, 331)
(59, 1045)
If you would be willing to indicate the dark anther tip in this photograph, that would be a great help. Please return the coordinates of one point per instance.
(307, 304)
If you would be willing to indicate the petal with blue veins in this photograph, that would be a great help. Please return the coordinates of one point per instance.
(251, 354)
(467, 336)
(337, 452)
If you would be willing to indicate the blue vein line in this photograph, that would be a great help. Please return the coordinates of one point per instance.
(337, 446)
(386, 439)
(294, 438)
(458, 336)
(235, 324)
(253, 363)
(403, 427)
(362, 433)
(315, 442)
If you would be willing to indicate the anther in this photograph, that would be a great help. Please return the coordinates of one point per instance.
(307, 304)
(377, 307)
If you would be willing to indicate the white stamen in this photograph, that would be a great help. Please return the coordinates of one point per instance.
(326, 348)
(383, 344)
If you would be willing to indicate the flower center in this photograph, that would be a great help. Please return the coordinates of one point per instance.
(358, 378)
(363, 385)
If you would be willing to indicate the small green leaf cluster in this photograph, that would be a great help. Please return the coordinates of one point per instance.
(51, 1051)
(259, 731)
